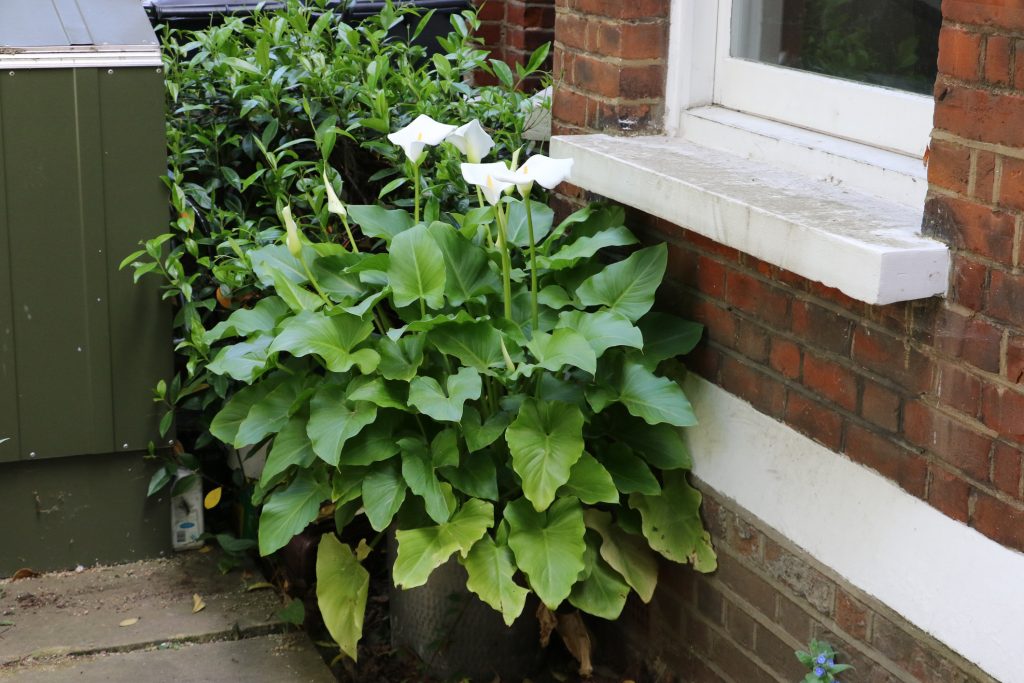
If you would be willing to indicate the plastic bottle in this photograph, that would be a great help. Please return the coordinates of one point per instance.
(187, 514)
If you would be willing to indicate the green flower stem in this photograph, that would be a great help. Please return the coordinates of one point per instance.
(487, 226)
(312, 281)
(351, 238)
(416, 183)
(534, 315)
(506, 260)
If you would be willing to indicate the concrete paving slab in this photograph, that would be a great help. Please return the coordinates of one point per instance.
(74, 613)
(279, 658)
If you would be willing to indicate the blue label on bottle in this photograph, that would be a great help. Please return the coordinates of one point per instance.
(186, 525)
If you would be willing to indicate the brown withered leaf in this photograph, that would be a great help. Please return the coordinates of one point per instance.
(24, 573)
(547, 624)
(577, 640)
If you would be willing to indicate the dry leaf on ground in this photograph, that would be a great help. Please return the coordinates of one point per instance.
(577, 640)
(129, 622)
(198, 604)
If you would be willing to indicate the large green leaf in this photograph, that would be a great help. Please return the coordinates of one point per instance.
(333, 421)
(331, 275)
(297, 297)
(291, 447)
(672, 525)
(243, 360)
(342, 586)
(380, 392)
(416, 272)
(661, 445)
(631, 474)
(518, 229)
(420, 551)
(563, 347)
(627, 287)
(587, 246)
(225, 423)
(491, 568)
(652, 398)
(602, 329)
(468, 271)
(431, 399)
(276, 259)
(477, 344)
(262, 317)
(290, 510)
(271, 413)
(399, 360)
(332, 338)
(373, 444)
(667, 336)
(603, 593)
(476, 475)
(479, 435)
(383, 493)
(418, 472)
(376, 221)
(548, 546)
(628, 554)
(546, 440)
(590, 482)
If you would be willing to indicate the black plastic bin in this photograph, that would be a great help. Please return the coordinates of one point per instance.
(438, 26)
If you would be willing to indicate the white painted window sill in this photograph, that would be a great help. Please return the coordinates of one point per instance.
(871, 249)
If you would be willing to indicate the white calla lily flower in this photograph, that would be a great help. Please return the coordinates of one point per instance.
(472, 140)
(291, 232)
(334, 203)
(423, 131)
(543, 170)
(488, 178)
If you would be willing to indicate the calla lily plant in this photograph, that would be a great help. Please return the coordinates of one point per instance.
(483, 384)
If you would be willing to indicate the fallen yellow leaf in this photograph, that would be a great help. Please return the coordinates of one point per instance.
(129, 622)
(197, 603)
(258, 585)
(212, 498)
(362, 550)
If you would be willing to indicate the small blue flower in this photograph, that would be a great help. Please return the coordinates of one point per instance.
(821, 659)
(819, 672)
(831, 662)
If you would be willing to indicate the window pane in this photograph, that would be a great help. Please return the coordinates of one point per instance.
(892, 43)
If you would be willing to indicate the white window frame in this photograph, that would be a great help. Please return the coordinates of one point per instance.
(868, 138)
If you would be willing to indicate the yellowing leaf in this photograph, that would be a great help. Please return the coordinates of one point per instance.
(258, 585)
(362, 550)
(129, 622)
(197, 603)
(212, 498)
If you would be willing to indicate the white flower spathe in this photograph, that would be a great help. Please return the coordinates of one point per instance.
(334, 204)
(292, 232)
(543, 170)
(486, 177)
(472, 140)
(417, 135)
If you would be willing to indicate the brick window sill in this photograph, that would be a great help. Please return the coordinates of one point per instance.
(868, 248)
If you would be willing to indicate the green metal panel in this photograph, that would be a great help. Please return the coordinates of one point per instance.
(57, 23)
(68, 511)
(134, 160)
(9, 444)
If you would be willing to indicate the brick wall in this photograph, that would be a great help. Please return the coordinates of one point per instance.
(930, 393)
(513, 29)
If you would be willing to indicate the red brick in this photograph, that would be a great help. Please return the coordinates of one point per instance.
(969, 282)
(778, 655)
(746, 584)
(740, 625)
(570, 107)
(970, 339)
(711, 277)
(831, 380)
(880, 406)
(972, 227)
(959, 53)
(980, 114)
(710, 603)
(719, 323)
(999, 521)
(744, 538)
(752, 341)
(949, 165)
(571, 30)
(1003, 410)
(957, 389)
(892, 357)
(799, 576)
(595, 75)
(851, 615)
(752, 385)
(949, 493)
(997, 60)
(1011, 189)
(758, 298)
(627, 117)
(1015, 358)
(1008, 14)
(631, 41)
(984, 175)
(794, 619)
(821, 328)
(950, 440)
(1006, 469)
(784, 357)
(706, 244)
(1004, 297)
(491, 10)
(616, 9)
(1018, 76)
(815, 420)
(906, 468)
(641, 82)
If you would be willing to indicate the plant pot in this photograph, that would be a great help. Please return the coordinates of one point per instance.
(456, 635)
